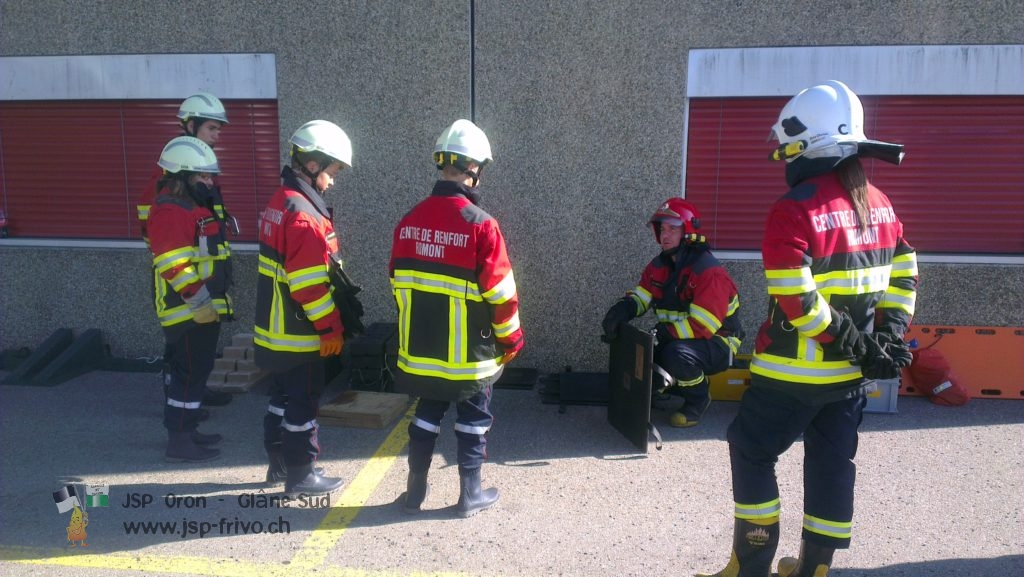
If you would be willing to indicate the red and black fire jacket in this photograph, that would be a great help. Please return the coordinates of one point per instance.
(294, 305)
(188, 248)
(458, 307)
(816, 260)
(695, 298)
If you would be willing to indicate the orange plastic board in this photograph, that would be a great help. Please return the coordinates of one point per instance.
(363, 409)
(989, 361)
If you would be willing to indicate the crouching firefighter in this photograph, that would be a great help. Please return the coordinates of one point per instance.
(697, 308)
(190, 281)
(298, 326)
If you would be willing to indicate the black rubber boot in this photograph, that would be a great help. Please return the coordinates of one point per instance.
(204, 440)
(814, 561)
(277, 471)
(216, 398)
(473, 499)
(416, 491)
(753, 548)
(181, 447)
(304, 480)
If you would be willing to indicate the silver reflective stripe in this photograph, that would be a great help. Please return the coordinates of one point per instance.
(183, 405)
(275, 410)
(770, 509)
(459, 427)
(299, 428)
(426, 426)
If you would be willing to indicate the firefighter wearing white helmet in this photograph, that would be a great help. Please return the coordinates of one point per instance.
(299, 302)
(454, 344)
(191, 282)
(202, 116)
(841, 282)
(461, 145)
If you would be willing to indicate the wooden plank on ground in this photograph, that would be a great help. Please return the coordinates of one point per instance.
(363, 409)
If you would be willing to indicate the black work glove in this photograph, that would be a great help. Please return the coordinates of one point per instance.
(848, 341)
(621, 312)
(885, 355)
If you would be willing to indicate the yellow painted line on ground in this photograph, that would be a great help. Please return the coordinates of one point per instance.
(190, 565)
(347, 507)
(309, 560)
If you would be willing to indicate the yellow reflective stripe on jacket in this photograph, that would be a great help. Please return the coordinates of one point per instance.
(904, 265)
(184, 278)
(853, 282)
(171, 258)
(457, 331)
(445, 370)
(288, 343)
(705, 318)
(502, 291)
(642, 297)
(803, 371)
(897, 298)
(837, 529)
(319, 308)
(142, 210)
(815, 320)
(306, 277)
(789, 281)
(174, 315)
(764, 510)
(508, 327)
(268, 267)
(436, 283)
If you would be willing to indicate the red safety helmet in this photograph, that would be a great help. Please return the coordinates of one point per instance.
(676, 211)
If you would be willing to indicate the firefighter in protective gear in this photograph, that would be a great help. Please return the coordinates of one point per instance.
(190, 281)
(298, 325)
(696, 304)
(201, 115)
(841, 283)
(458, 314)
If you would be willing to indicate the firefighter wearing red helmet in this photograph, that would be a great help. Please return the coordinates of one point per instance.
(842, 283)
(696, 305)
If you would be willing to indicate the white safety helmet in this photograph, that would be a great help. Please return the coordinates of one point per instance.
(460, 142)
(826, 120)
(324, 137)
(202, 105)
(188, 154)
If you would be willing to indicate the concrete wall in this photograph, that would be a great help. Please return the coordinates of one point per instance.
(582, 101)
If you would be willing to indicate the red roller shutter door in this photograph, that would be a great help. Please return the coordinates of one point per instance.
(75, 169)
(959, 190)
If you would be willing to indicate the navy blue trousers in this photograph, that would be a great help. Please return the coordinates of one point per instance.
(767, 424)
(187, 366)
(473, 421)
(290, 423)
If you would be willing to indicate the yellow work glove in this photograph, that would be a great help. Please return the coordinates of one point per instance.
(201, 306)
(331, 344)
(205, 313)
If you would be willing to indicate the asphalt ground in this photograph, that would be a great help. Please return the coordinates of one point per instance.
(939, 493)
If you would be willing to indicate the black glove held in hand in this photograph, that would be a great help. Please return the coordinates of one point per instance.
(621, 312)
(886, 354)
(848, 341)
